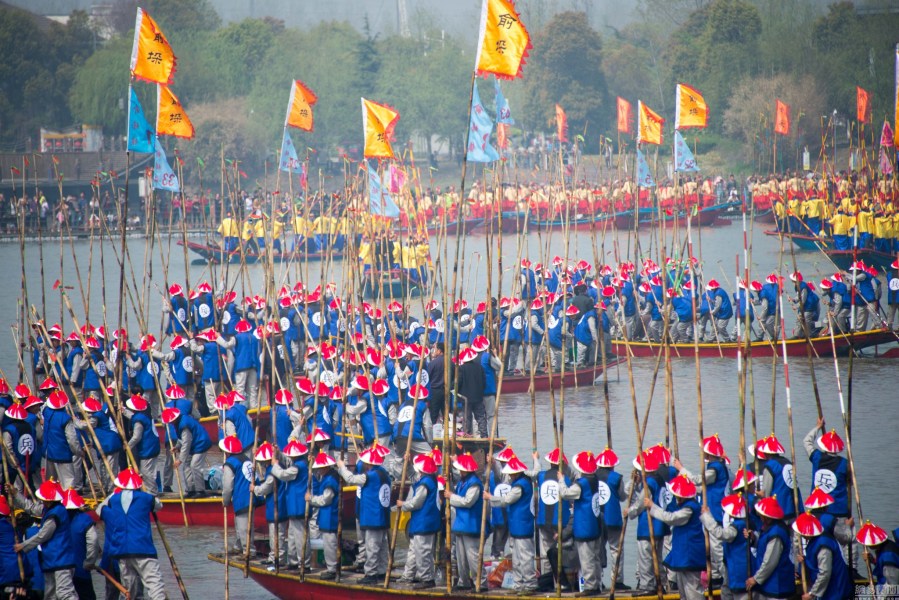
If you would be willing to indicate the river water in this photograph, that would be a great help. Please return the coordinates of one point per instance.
(875, 434)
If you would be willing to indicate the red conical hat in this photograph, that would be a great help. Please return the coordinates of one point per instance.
(49, 491)
(265, 451)
(831, 442)
(129, 479)
(418, 392)
(506, 454)
(231, 445)
(742, 478)
(34, 401)
(712, 445)
(17, 411)
(48, 384)
(305, 385)
(72, 500)
(682, 487)
(585, 462)
(807, 525)
(607, 459)
(137, 403)
(317, 436)
(480, 343)
(170, 414)
(91, 405)
(322, 460)
(295, 449)
(514, 466)
(424, 464)
(734, 505)
(553, 457)
(58, 399)
(870, 535)
(380, 449)
(223, 402)
(283, 396)
(175, 392)
(371, 458)
(4, 506)
(22, 391)
(379, 387)
(768, 507)
(818, 499)
(465, 462)
(773, 446)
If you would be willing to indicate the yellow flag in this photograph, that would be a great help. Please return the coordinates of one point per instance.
(299, 109)
(649, 125)
(152, 58)
(170, 116)
(504, 41)
(690, 108)
(378, 121)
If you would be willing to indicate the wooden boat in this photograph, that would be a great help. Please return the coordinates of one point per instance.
(211, 424)
(709, 216)
(766, 216)
(843, 259)
(393, 283)
(452, 227)
(581, 378)
(288, 585)
(821, 346)
(621, 220)
(213, 253)
(802, 241)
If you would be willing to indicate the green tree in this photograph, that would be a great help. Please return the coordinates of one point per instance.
(173, 16)
(99, 85)
(565, 67)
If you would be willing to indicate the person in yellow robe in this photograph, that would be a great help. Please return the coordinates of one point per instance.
(840, 224)
(302, 231)
(230, 233)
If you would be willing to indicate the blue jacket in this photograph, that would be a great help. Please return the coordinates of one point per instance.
(79, 524)
(499, 515)
(128, 535)
(213, 358)
(243, 474)
(374, 500)
(782, 583)
(841, 585)
(182, 366)
(521, 512)
(404, 419)
(687, 542)
(489, 375)
(57, 554)
(200, 442)
(203, 312)
(548, 486)
(279, 495)
(426, 520)
(660, 495)
(296, 490)
(328, 515)
(9, 562)
(781, 470)
(24, 446)
(178, 319)
(587, 510)
(246, 351)
(887, 556)
(611, 508)
(468, 520)
(831, 473)
(243, 428)
(716, 491)
(735, 558)
(55, 446)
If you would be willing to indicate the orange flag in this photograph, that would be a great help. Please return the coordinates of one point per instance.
(502, 135)
(649, 125)
(863, 106)
(378, 121)
(781, 118)
(690, 108)
(299, 108)
(152, 58)
(504, 41)
(625, 115)
(561, 123)
(170, 116)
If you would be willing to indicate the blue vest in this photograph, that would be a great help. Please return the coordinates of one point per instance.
(478, 328)
(243, 428)
(339, 441)
(735, 558)
(281, 425)
(374, 500)
(529, 289)
(612, 508)
(426, 520)
(683, 307)
(279, 495)
(740, 303)
(93, 377)
(489, 375)
(55, 446)
(145, 377)
(812, 302)
(831, 472)
(776, 466)
(182, 367)
(531, 334)
(229, 319)
(291, 331)
(128, 535)
(499, 515)
(185, 406)
(22, 436)
(201, 442)
(9, 563)
(841, 585)
(328, 515)
(376, 412)
(587, 516)
(296, 490)
(630, 300)
(107, 434)
(659, 494)
(148, 446)
(508, 328)
(57, 553)
(716, 491)
(312, 327)
(865, 287)
(468, 520)
(202, 322)
(79, 523)
(887, 556)
(521, 515)
(727, 310)
(246, 351)
(323, 416)
(554, 330)
(782, 582)
(240, 495)
(69, 364)
(212, 358)
(582, 331)
(178, 319)
(546, 513)
(687, 542)
(401, 427)
(770, 293)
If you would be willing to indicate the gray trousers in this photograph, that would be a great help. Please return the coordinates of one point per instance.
(546, 535)
(212, 390)
(148, 467)
(193, 473)
(689, 585)
(716, 553)
(296, 542)
(246, 383)
(375, 552)
(241, 523)
(645, 574)
(329, 542)
(589, 557)
(498, 540)
(282, 542)
(524, 568)
(891, 315)
(841, 320)
(137, 571)
(69, 475)
(534, 358)
(479, 411)
(100, 468)
(769, 327)
(556, 358)
(466, 551)
(420, 558)
(512, 355)
(584, 355)
(58, 584)
(654, 330)
(613, 537)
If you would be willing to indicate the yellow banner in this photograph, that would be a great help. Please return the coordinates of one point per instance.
(299, 109)
(691, 109)
(504, 41)
(378, 121)
(152, 58)
(171, 119)
(649, 125)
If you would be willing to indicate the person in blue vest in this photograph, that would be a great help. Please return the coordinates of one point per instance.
(92, 367)
(426, 505)
(586, 336)
(192, 444)
(175, 398)
(285, 420)
(808, 303)
(294, 476)
(291, 325)
(866, 295)
(729, 531)
(274, 492)
(882, 551)
(84, 543)
(772, 569)
(20, 437)
(549, 508)
(60, 444)
(245, 346)
(32, 558)
(587, 525)
(511, 329)
(687, 555)
(320, 419)
(829, 576)
(612, 495)
(237, 420)
(147, 371)
(743, 303)
(202, 309)
(176, 312)
(717, 483)
(104, 428)
(181, 364)
(467, 500)
(830, 471)
(129, 537)
(228, 312)
(892, 293)
(535, 337)
(367, 404)
(54, 538)
(527, 279)
(557, 328)
(721, 311)
(415, 413)
(10, 575)
(238, 475)
(778, 476)
(490, 366)
(73, 357)
(519, 501)
(769, 311)
(325, 497)
(210, 347)
(681, 305)
(656, 478)
(650, 312)
(374, 511)
(842, 302)
(144, 440)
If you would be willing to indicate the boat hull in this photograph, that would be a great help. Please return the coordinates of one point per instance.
(844, 259)
(803, 242)
(821, 346)
(542, 383)
(214, 254)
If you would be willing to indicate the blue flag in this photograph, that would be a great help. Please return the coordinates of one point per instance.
(163, 176)
(683, 158)
(644, 177)
(503, 112)
(381, 203)
(140, 134)
(289, 160)
(479, 130)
